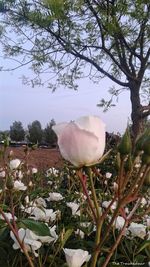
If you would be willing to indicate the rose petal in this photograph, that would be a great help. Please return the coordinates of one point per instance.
(80, 147)
(58, 128)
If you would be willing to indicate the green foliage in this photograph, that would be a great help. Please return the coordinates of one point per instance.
(35, 132)
(49, 135)
(74, 231)
(38, 228)
(17, 132)
(125, 146)
(76, 39)
(4, 135)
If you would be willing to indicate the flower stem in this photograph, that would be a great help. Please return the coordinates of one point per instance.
(94, 193)
(115, 245)
(97, 240)
(87, 195)
(18, 239)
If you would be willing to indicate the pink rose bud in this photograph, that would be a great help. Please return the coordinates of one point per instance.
(81, 142)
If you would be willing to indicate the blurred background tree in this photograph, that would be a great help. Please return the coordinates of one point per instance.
(80, 38)
(35, 132)
(17, 132)
(50, 137)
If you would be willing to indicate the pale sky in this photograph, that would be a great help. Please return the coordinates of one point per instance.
(20, 102)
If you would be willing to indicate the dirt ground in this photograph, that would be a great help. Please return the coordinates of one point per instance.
(41, 158)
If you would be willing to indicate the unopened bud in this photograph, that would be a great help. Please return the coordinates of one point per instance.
(30, 184)
(141, 140)
(146, 159)
(128, 165)
(118, 161)
(125, 146)
(115, 186)
(146, 145)
(9, 183)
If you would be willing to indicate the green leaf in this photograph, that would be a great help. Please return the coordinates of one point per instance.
(4, 207)
(144, 245)
(66, 236)
(39, 228)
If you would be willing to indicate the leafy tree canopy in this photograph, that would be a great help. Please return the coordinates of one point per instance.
(49, 135)
(73, 39)
(17, 132)
(35, 132)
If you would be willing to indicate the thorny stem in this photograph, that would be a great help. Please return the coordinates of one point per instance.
(98, 222)
(18, 239)
(136, 180)
(142, 179)
(97, 240)
(116, 244)
(120, 177)
(87, 195)
(13, 212)
(121, 233)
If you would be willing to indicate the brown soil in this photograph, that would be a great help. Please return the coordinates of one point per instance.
(40, 158)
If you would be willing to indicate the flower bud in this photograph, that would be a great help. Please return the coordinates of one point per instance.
(9, 183)
(146, 159)
(125, 146)
(141, 140)
(146, 145)
(118, 161)
(128, 164)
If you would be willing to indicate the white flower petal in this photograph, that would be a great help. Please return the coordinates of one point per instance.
(58, 128)
(81, 142)
(76, 257)
(14, 163)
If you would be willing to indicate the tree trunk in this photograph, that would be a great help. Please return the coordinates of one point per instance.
(136, 114)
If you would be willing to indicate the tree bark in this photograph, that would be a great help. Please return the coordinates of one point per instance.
(136, 115)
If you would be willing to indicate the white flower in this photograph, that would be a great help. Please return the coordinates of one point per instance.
(45, 215)
(148, 222)
(46, 239)
(80, 233)
(18, 185)
(105, 204)
(137, 165)
(55, 197)
(14, 163)
(2, 174)
(76, 257)
(18, 174)
(74, 207)
(51, 171)
(34, 170)
(50, 182)
(40, 202)
(30, 184)
(143, 201)
(27, 201)
(137, 229)
(85, 224)
(37, 202)
(26, 236)
(119, 222)
(108, 175)
(81, 142)
(8, 215)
